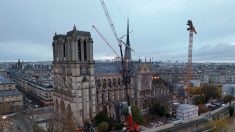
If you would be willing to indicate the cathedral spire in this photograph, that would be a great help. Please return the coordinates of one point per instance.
(127, 54)
(74, 27)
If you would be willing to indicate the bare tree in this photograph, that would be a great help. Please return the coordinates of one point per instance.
(219, 125)
(6, 123)
(70, 123)
(28, 122)
(60, 123)
(1, 124)
(54, 123)
(5, 108)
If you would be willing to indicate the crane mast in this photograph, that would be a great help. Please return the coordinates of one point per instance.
(109, 19)
(191, 30)
(98, 32)
(126, 79)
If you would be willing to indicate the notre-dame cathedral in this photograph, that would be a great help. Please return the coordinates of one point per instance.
(85, 87)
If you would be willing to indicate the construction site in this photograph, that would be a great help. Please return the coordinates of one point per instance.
(121, 83)
(123, 92)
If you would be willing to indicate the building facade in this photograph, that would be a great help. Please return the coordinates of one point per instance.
(41, 93)
(228, 89)
(186, 111)
(9, 96)
(34, 79)
(110, 89)
(74, 80)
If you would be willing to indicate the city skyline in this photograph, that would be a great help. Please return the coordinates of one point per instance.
(159, 28)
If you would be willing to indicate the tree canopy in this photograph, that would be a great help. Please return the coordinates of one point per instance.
(228, 98)
(5, 108)
(103, 117)
(103, 127)
(159, 109)
(205, 93)
(231, 110)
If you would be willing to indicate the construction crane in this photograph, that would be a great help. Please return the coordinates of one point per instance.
(120, 42)
(191, 30)
(98, 32)
(126, 80)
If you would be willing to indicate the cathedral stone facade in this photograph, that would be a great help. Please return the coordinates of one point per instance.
(84, 87)
(74, 80)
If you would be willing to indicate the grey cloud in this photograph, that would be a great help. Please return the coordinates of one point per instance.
(159, 26)
(219, 52)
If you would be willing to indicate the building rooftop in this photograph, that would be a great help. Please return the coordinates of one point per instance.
(4, 80)
(108, 67)
(71, 33)
(187, 106)
(14, 92)
(115, 67)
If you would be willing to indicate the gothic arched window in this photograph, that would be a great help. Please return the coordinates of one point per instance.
(114, 82)
(62, 108)
(110, 83)
(119, 82)
(85, 49)
(98, 84)
(79, 50)
(56, 106)
(64, 49)
(104, 83)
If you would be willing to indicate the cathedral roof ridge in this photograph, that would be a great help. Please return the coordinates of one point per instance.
(80, 33)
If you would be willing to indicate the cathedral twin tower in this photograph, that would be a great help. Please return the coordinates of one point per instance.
(73, 69)
(74, 75)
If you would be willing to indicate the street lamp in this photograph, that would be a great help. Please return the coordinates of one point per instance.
(4, 117)
(4, 122)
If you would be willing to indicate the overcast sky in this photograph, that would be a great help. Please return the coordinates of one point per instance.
(159, 27)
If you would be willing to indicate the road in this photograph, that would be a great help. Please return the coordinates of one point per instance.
(196, 123)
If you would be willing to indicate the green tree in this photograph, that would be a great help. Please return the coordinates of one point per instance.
(137, 118)
(211, 92)
(228, 98)
(154, 109)
(101, 117)
(199, 100)
(114, 125)
(103, 127)
(160, 109)
(231, 110)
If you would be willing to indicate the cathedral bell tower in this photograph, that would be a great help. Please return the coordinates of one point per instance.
(73, 70)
